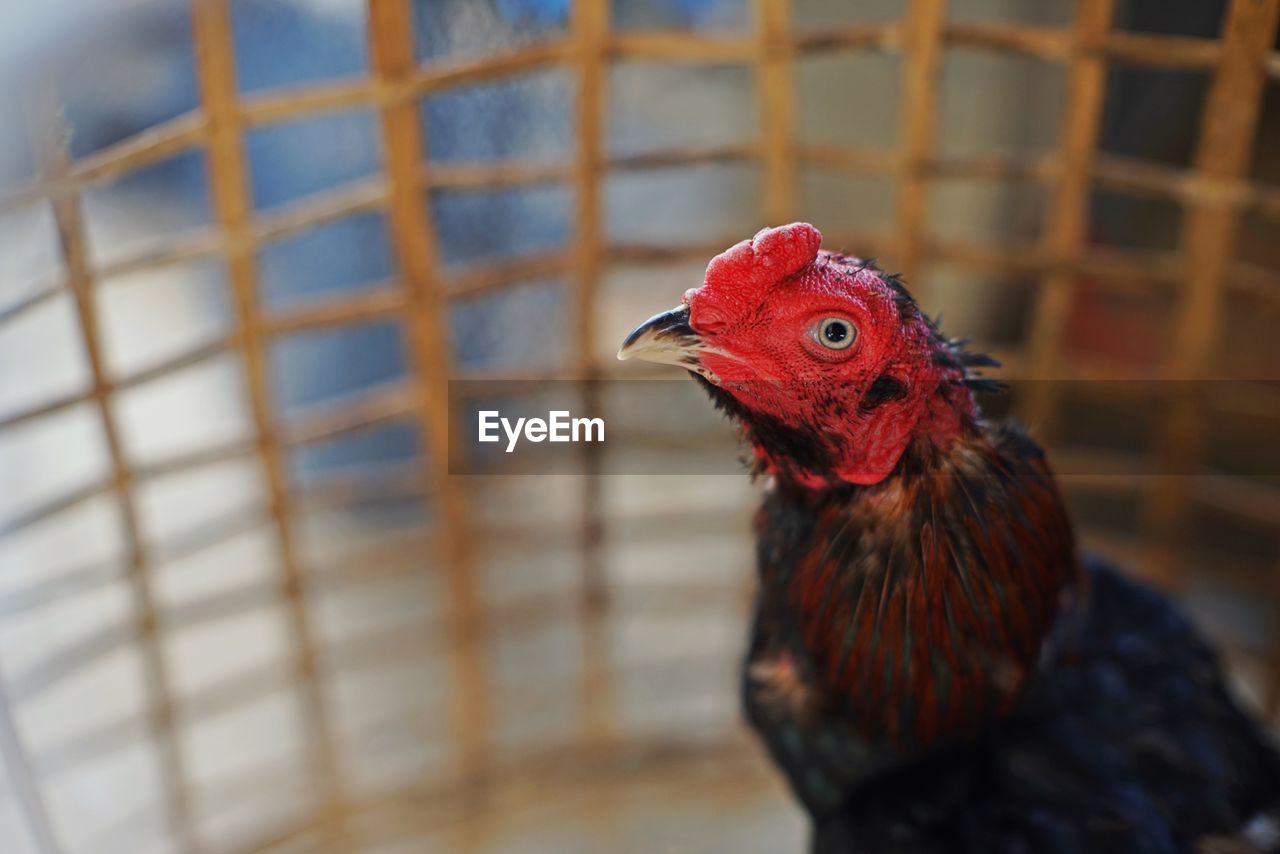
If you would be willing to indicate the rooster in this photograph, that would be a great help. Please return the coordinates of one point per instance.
(932, 665)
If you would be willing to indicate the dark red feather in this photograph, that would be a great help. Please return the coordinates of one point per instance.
(930, 619)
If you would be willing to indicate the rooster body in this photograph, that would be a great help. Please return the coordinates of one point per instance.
(1121, 738)
(931, 665)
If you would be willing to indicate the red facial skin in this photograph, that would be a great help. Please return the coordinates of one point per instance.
(760, 305)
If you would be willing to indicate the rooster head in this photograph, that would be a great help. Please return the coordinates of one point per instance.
(825, 360)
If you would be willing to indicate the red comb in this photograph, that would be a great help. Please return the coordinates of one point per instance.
(770, 256)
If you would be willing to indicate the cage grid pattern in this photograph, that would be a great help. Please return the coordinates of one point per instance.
(1216, 192)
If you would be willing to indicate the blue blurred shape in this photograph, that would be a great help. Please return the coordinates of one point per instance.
(289, 162)
(282, 43)
(364, 259)
(541, 13)
(353, 359)
(680, 14)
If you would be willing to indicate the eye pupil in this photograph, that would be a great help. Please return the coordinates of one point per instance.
(834, 333)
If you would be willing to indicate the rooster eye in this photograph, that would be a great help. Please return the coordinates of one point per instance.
(835, 333)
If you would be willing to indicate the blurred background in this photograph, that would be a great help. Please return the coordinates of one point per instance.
(250, 250)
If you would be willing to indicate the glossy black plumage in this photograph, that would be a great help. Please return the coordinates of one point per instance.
(1126, 740)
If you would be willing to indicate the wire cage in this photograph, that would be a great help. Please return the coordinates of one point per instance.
(473, 700)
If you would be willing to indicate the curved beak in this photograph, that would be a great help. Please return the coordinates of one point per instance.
(668, 339)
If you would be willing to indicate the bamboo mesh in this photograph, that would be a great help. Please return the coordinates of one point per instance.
(479, 774)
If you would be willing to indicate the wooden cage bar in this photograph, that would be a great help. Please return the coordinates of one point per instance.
(923, 54)
(391, 35)
(1068, 218)
(233, 206)
(774, 86)
(590, 30)
(24, 782)
(1224, 152)
(51, 140)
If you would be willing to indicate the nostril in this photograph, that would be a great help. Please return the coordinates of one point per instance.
(707, 322)
(704, 317)
(707, 315)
